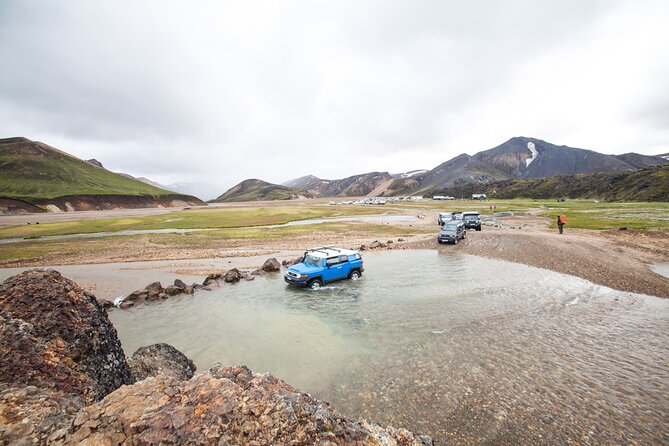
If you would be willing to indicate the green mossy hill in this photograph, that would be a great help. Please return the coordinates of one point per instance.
(31, 170)
(650, 184)
(256, 190)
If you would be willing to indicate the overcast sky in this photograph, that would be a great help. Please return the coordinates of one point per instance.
(216, 92)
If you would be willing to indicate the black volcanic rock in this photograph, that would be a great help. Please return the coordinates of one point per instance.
(160, 360)
(55, 335)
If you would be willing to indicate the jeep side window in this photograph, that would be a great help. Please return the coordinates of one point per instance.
(332, 261)
(343, 259)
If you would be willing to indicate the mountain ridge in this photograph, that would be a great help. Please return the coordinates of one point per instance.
(518, 158)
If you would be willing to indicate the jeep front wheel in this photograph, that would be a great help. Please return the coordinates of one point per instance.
(315, 284)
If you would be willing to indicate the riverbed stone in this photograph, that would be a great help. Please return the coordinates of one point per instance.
(56, 336)
(233, 276)
(292, 262)
(160, 359)
(271, 265)
(179, 284)
(173, 290)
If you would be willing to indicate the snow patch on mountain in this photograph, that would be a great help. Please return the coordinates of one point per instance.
(412, 173)
(535, 154)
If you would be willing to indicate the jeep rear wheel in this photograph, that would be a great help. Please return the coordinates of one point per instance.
(315, 284)
(355, 275)
(464, 236)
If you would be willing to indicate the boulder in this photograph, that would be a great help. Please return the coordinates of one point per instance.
(233, 276)
(295, 261)
(30, 415)
(154, 287)
(179, 284)
(160, 360)
(56, 336)
(271, 265)
(173, 290)
(211, 278)
(136, 296)
(190, 289)
(223, 406)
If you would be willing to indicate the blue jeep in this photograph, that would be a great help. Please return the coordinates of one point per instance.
(322, 265)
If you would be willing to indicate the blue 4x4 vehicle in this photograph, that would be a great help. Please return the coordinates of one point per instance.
(323, 265)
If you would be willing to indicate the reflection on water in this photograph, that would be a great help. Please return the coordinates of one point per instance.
(466, 349)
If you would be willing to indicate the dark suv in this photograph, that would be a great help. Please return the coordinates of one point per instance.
(472, 220)
(452, 231)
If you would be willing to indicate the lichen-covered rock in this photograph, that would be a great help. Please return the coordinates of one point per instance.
(29, 415)
(160, 359)
(55, 335)
(271, 265)
(223, 406)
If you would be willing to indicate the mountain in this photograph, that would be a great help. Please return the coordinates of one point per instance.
(518, 158)
(144, 180)
(305, 182)
(522, 157)
(41, 175)
(461, 169)
(648, 184)
(256, 190)
(642, 161)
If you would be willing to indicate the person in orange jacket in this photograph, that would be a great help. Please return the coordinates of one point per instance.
(561, 221)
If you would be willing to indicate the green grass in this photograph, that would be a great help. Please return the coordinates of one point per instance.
(583, 214)
(580, 214)
(30, 170)
(192, 219)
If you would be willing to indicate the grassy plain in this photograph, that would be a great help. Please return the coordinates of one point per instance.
(581, 214)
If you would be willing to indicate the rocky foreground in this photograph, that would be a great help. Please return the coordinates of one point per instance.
(65, 380)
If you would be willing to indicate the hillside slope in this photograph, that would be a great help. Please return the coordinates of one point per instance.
(649, 184)
(256, 190)
(42, 175)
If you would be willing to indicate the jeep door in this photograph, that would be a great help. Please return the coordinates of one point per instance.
(345, 266)
(332, 269)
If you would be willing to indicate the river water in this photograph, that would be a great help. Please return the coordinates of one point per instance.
(466, 349)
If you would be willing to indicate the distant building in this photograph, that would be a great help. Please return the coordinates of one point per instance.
(479, 197)
(443, 197)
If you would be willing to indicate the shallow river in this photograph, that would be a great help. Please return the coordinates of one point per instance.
(466, 349)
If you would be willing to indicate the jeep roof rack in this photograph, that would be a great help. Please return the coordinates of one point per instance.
(322, 248)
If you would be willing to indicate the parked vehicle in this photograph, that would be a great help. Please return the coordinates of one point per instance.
(472, 220)
(444, 217)
(457, 215)
(323, 265)
(452, 232)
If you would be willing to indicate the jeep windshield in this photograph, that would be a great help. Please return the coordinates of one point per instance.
(450, 229)
(312, 260)
(471, 217)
